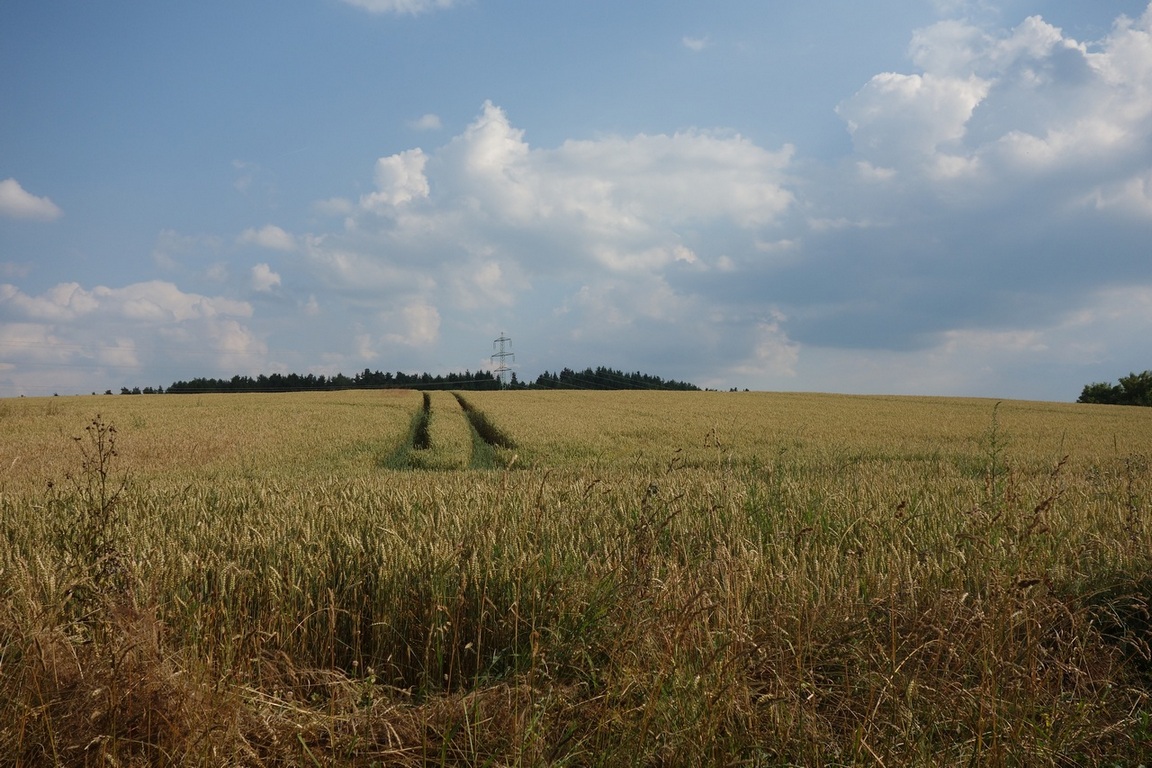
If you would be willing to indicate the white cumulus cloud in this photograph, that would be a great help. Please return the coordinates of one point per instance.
(488, 220)
(269, 236)
(613, 187)
(399, 179)
(17, 203)
(1030, 99)
(264, 279)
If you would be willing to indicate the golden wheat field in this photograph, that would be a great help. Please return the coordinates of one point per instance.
(204, 437)
(573, 578)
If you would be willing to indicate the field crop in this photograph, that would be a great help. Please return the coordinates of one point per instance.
(449, 433)
(573, 578)
(201, 438)
(649, 429)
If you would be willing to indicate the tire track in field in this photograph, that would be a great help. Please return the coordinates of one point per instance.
(490, 444)
(407, 454)
(429, 448)
(421, 438)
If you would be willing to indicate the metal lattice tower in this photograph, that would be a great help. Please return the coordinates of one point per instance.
(501, 358)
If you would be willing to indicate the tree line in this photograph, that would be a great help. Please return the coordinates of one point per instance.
(1133, 389)
(567, 378)
(366, 379)
(603, 378)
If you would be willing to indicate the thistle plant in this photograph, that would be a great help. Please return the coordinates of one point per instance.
(90, 526)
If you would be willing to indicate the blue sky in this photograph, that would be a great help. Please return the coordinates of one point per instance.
(949, 197)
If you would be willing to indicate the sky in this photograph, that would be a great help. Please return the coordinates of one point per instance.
(936, 197)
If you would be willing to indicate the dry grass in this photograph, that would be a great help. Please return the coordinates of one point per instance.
(698, 578)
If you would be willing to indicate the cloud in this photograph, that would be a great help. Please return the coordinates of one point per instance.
(427, 122)
(695, 44)
(489, 221)
(217, 273)
(246, 174)
(773, 355)
(104, 337)
(898, 120)
(32, 343)
(990, 104)
(268, 236)
(334, 206)
(401, 7)
(614, 187)
(399, 179)
(589, 236)
(1003, 183)
(1132, 196)
(488, 197)
(172, 248)
(16, 203)
(412, 325)
(65, 301)
(416, 324)
(264, 279)
(1098, 339)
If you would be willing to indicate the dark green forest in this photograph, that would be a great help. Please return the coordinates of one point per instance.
(1133, 389)
(567, 378)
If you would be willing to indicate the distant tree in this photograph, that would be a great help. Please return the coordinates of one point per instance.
(1133, 389)
(606, 378)
(1101, 393)
(567, 378)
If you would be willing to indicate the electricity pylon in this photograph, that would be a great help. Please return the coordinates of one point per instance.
(501, 358)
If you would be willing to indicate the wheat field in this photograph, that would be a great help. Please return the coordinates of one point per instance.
(573, 578)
